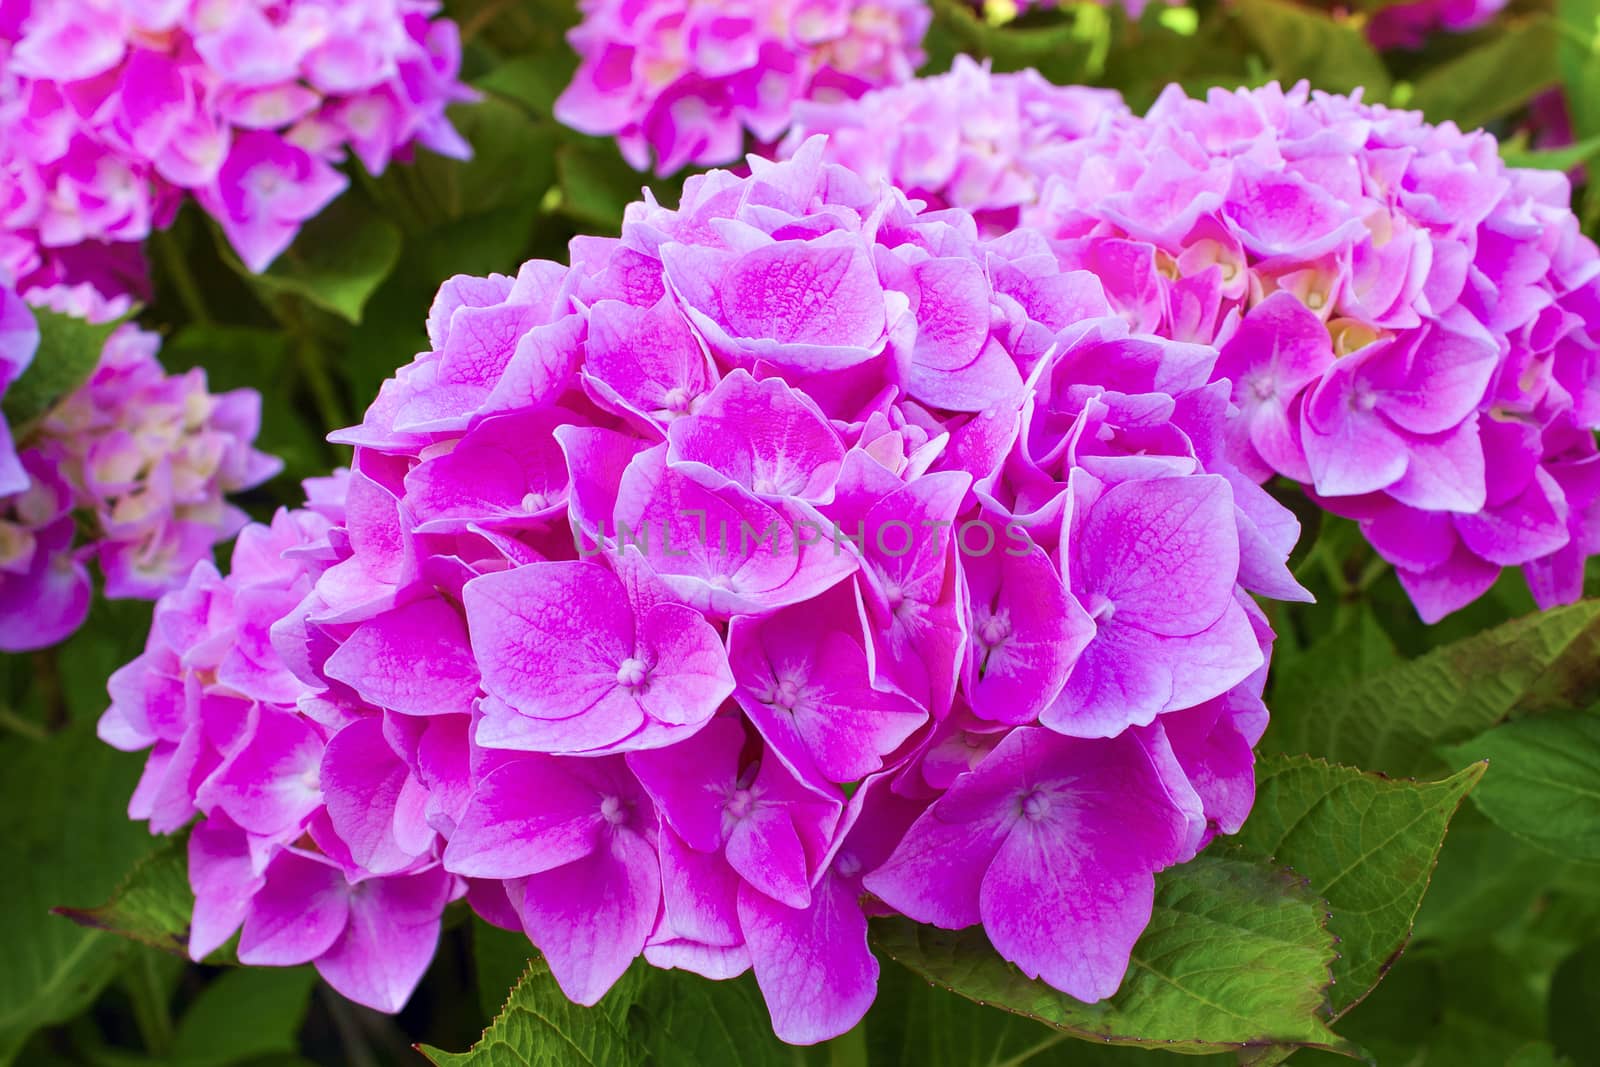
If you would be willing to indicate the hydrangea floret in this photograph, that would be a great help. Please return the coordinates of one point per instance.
(683, 82)
(797, 557)
(112, 112)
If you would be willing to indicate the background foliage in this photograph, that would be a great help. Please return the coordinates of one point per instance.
(1267, 949)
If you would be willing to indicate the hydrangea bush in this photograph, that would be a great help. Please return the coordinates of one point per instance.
(834, 601)
(112, 112)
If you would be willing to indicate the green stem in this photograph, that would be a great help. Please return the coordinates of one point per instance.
(183, 279)
(1376, 568)
(10, 720)
(150, 1009)
(323, 391)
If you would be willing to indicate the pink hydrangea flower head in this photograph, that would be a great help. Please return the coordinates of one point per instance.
(1405, 322)
(681, 82)
(112, 113)
(794, 557)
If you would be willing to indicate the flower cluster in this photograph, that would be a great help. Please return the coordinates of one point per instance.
(795, 557)
(1408, 25)
(685, 81)
(1406, 322)
(19, 341)
(111, 111)
(128, 471)
(970, 139)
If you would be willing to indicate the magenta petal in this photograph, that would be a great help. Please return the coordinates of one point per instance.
(298, 913)
(527, 816)
(389, 940)
(413, 659)
(813, 965)
(591, 917)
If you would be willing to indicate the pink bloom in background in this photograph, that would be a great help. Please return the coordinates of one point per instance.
(798, 556)
(1408, 25)
(967, 139)
(112, 112)
(681, 82)
(129, 471)
(1405, 322)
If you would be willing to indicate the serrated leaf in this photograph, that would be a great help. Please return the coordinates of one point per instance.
(1366, 843)
(336, 262)
(1392, 720)
(499, 960)
(244, 1014)
(152, 904)
(1544, 782)
(540, 1027)
(686, 1021)
(1515, 63)
(63, 817)
(1485, 880)
(1236, 955)
(69, 350)
(914, 1024)
(1299, 41)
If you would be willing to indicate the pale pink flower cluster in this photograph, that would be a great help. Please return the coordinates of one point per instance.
(129, 472)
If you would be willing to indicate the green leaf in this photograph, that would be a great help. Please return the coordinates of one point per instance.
(1579, 64)
(499, 960)
(596, 184)
(914, 1024)
(1574, 992)
(1304, 42)
(1236, 955)
(151, 905)
(1513, 65)
(69, 349)
(336, 262)
(1544, 782)
(683, 1020)
(1392, 720)
(244, 1014)
(63, 817)
(1562, 159)
(1302, 678)
(1366, 843)
(540, 1027)
(1485, 880)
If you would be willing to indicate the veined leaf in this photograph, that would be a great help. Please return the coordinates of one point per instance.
(1392, 720)
(1366, 843)
(1544, 781)
(1236, 956)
